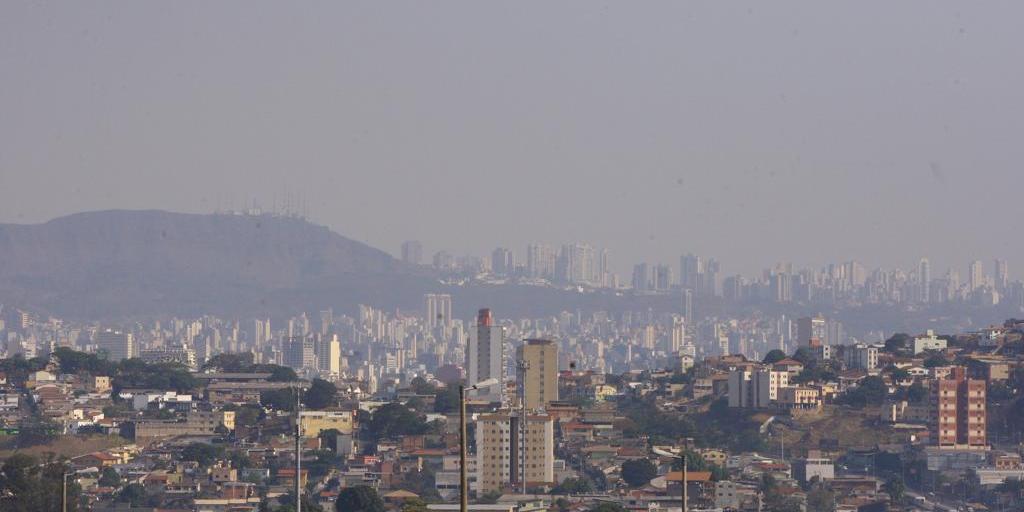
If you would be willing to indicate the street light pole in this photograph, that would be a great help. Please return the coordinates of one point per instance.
(64, 491)
(298, 449)
(463, 496)
(682, 458)
(523, 366)
(463, 483)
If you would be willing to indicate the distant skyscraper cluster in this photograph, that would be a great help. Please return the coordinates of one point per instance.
(848, 283)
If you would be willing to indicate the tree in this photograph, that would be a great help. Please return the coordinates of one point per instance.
(696, 462)
(308, 503)
(895, 488)
(917, 393)
(607, 507)
(489, 497)
(248, 415)
(414, 505)
(135, 373)
(420, 386)
(109, 478)
(394, 420)
(279, 399)
(329, 439)
(277, 373)
(230, 362)
(1011, 485)
(360, 498)
(638, 472)
(774, 356)
(871, 390)
(27, 486)
(820, 499)
(72, 361)
(134, 494)
(320, 394)
(36, 430)
(573, 486)
(935, 360)
(805, 357)
(897, 343)
(239, 460)
(446, 399)
(202, 453)
(899, 374)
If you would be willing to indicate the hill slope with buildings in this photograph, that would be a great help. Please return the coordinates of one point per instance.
(112, 264)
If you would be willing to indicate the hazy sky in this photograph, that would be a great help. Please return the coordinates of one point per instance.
(755, 132)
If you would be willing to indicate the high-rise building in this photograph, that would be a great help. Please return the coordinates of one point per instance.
(604, 273)
(861, 357)
(328, 355)
(811, 332)
(691, 270)
(540, 261)
(298, 352)
(662, 279)
(326, 321)
(1002, 275)
(709, 280)
(975, 276)
(576, 264)
(539, 377)
(755, 388)
(958, 416)
(438, 310)
(678, 335)
(412, 252)
(688, 306)
(924, 279)
(485, 356)
(503, 452)
(641, 278)
(502, 262)
(118, 345)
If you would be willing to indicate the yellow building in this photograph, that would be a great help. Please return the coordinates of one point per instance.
(314, 422)
(100, 384)
(540, 379)
(502, 453)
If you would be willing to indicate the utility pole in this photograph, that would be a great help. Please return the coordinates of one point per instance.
(782, 440)
(463, 497)
(298, 448)
(683, 459)
(64, 491)
(522, 366)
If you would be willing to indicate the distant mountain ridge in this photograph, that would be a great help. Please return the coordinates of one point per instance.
(120, 263)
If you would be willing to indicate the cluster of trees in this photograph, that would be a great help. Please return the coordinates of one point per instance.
(638, 472)
(573, 486)
(360, 498)
(136, 373)
(320, 395)
(28, 486)
(645, 419)
(243, 363)
(202, 453)
(446, 398)
(697, 462)
(719, 426)
(814, 370)
(394, 420)
(871, 390)
(775, 500)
